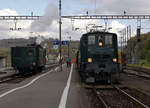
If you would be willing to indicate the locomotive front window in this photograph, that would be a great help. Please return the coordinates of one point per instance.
(108, 40)
(91, 40)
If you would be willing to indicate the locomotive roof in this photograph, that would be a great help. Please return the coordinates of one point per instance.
(28, 46)
(98, 32)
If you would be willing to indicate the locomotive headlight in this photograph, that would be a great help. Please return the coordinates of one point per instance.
(89, 60)
(100, 43)
(114, 60)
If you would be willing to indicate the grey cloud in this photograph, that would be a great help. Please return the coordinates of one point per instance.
(45, 22)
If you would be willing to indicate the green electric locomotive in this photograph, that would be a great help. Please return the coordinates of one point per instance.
(27, 59)
(97, 58)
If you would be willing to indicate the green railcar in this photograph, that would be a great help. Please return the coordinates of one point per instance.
(97, 58)
(28, 58)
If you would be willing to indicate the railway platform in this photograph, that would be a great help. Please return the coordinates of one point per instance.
(53, 89)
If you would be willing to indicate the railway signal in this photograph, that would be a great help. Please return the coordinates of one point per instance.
(138, 34)
(55, 46)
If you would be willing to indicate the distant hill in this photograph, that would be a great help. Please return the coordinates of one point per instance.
(7, 43)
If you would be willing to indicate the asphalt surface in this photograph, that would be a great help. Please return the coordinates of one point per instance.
(46, 92)
(77, 96)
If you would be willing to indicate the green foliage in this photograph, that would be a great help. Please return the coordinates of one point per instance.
(142, 63)
(148, 56)
(143, 49)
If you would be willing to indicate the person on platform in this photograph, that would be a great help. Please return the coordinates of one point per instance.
(74, 61)
(67, 62)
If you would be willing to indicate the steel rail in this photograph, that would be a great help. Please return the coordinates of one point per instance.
(100, 98)
(132, 98)
(11, 77)
(15, 76)
(138, 69)
(140, 76)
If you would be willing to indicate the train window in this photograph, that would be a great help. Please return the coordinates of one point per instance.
(108, 40)
(41, 53)
(91, 40)
(31, 52)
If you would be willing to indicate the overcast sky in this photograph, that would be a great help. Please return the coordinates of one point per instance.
(48, 25)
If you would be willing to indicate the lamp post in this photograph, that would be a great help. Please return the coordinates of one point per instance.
(60, 22)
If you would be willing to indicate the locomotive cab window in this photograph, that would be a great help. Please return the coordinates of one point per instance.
(105, 40)
(91, 40)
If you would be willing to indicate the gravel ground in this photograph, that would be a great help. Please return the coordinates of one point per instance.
(94, 102)
(114, 99)
(140, 89)
(139, 95)
(133, 81)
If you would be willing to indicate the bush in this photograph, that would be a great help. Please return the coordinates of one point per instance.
(148, 56)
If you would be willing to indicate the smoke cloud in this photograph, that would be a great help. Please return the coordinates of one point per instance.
(42, 25)
(39, 40)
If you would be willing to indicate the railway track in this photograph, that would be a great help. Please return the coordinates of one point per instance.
(138, 71)
(117, 98)
(16, 77)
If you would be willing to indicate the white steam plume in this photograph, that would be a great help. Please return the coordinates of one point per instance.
(42, 25)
